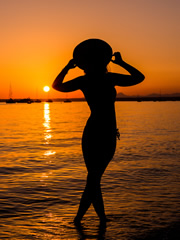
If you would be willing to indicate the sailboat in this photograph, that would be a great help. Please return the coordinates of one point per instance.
(10, 100)
(37, 99)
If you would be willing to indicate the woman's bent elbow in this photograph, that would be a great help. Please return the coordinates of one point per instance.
(55, 86)
(141, 78)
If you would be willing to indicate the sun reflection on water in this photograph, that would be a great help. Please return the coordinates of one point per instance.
(47, 123)
(48, 153)
(47, 129)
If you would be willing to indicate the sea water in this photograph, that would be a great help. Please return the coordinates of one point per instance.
(42, 172)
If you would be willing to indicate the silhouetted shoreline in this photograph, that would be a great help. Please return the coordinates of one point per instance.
(143, 99)
(122, 99)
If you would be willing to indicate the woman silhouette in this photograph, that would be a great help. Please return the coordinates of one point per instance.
(99, 136)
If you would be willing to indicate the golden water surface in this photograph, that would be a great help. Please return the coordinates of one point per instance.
(43, 173)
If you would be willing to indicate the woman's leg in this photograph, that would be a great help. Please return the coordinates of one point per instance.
(85, 203)
(96, 194)
(92, 194)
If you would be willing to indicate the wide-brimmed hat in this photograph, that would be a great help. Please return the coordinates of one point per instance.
(92, 52)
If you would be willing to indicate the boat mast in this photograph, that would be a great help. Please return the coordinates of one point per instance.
(10, 91)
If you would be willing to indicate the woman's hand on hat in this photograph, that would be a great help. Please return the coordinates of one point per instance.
(71, 64)
(117, 59)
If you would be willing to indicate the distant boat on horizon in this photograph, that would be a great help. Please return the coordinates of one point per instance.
(25, 100)
(37, 101)
(10, 100)
(49, 100)
(67, 101)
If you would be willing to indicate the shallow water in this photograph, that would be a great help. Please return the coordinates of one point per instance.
(43, 173)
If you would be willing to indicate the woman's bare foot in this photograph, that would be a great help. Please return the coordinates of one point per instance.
(77, 221)
(103, 221)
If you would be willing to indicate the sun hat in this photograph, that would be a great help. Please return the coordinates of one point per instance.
(92, 52)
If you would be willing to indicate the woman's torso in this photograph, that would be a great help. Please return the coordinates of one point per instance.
(100, 95)
(99, 136)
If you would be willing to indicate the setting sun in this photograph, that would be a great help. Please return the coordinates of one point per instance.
(46, 88)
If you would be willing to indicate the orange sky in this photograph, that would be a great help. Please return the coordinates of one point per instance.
(38, 38)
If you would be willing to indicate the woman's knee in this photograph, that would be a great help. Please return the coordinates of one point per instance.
(94, 179)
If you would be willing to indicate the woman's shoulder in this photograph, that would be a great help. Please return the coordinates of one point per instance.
(81, 81)
(117, 79)
(113, 75)
(110, 76)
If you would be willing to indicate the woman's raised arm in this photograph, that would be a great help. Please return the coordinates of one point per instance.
(134, 78)
(69, 86)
